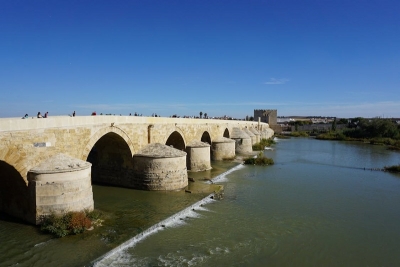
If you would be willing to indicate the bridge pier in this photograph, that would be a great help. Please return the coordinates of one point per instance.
(252, 136)
(59, 185)
(223, 148)
(243, 141)
(257, 134)
(198, 156)
(160, 167)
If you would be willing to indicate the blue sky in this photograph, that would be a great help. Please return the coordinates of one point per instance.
(328, 58)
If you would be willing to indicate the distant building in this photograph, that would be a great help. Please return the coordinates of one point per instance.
(269, 116)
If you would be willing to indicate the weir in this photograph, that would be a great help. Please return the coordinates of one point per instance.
(190, 211)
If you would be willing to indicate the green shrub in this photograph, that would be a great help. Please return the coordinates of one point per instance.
(263, 143)
(68, 223)
(281, 136)
(55, 224)
(299, 134)
(259, 160)
(332, 135)
(94, 214)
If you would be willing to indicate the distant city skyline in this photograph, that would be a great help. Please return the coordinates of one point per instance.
(338, 58)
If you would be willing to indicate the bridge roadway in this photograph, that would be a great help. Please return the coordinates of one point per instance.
(25, 143)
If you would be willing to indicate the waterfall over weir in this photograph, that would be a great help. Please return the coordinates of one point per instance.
(171, 221)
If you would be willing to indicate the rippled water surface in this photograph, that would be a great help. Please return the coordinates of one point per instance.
(316, 206)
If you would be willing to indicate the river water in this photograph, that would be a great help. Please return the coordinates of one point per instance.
(316, 206)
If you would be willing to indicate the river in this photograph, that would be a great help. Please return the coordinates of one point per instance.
(316, 206)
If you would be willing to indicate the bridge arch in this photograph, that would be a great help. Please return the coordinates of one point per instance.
(206, 138)
(176, 140)
(226, 133)
(14, 193)
(111, 157)
(100, 133)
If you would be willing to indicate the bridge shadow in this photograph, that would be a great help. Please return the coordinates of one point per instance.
(226, 133)
(14, 194)
(11, 219)
(112, 162)
(206, 138)
(176, 141)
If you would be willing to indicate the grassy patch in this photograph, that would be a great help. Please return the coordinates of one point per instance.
(392, 144)
(281, 136)
(70, 223)
(259, 160)
(332, 135)
(299, 134)
(263, 143)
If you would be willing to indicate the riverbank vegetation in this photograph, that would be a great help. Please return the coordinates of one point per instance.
(70, 223)
(374, 131)
(299, 134)
(281, 136)
(263, 143)
(395, 168)
(259, 160)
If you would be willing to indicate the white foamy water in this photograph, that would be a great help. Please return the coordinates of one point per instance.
(222, 177)
(118, 255)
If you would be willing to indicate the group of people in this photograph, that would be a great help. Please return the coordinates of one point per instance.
(39, 115)
(46, 115)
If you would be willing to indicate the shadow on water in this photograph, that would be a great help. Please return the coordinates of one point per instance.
(8, 218)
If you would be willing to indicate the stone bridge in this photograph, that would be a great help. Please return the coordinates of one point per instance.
(108, 142)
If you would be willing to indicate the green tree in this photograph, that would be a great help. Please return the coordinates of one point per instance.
(334, 124)
(201, 114)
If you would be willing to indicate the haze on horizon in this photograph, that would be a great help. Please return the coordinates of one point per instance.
(323, 58)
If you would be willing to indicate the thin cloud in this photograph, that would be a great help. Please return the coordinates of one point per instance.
(345, 110)
(276, 81)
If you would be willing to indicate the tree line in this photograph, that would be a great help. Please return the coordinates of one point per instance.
(372, 128)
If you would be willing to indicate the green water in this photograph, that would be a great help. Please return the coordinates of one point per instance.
(127, 212)
(316, 206)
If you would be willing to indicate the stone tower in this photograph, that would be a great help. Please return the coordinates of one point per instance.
(267, 115)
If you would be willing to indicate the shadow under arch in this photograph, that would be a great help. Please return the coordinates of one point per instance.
(175, 140)
(226, 133)
(206, 138)
(112, 162)
(14, 192)
(100, 133)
